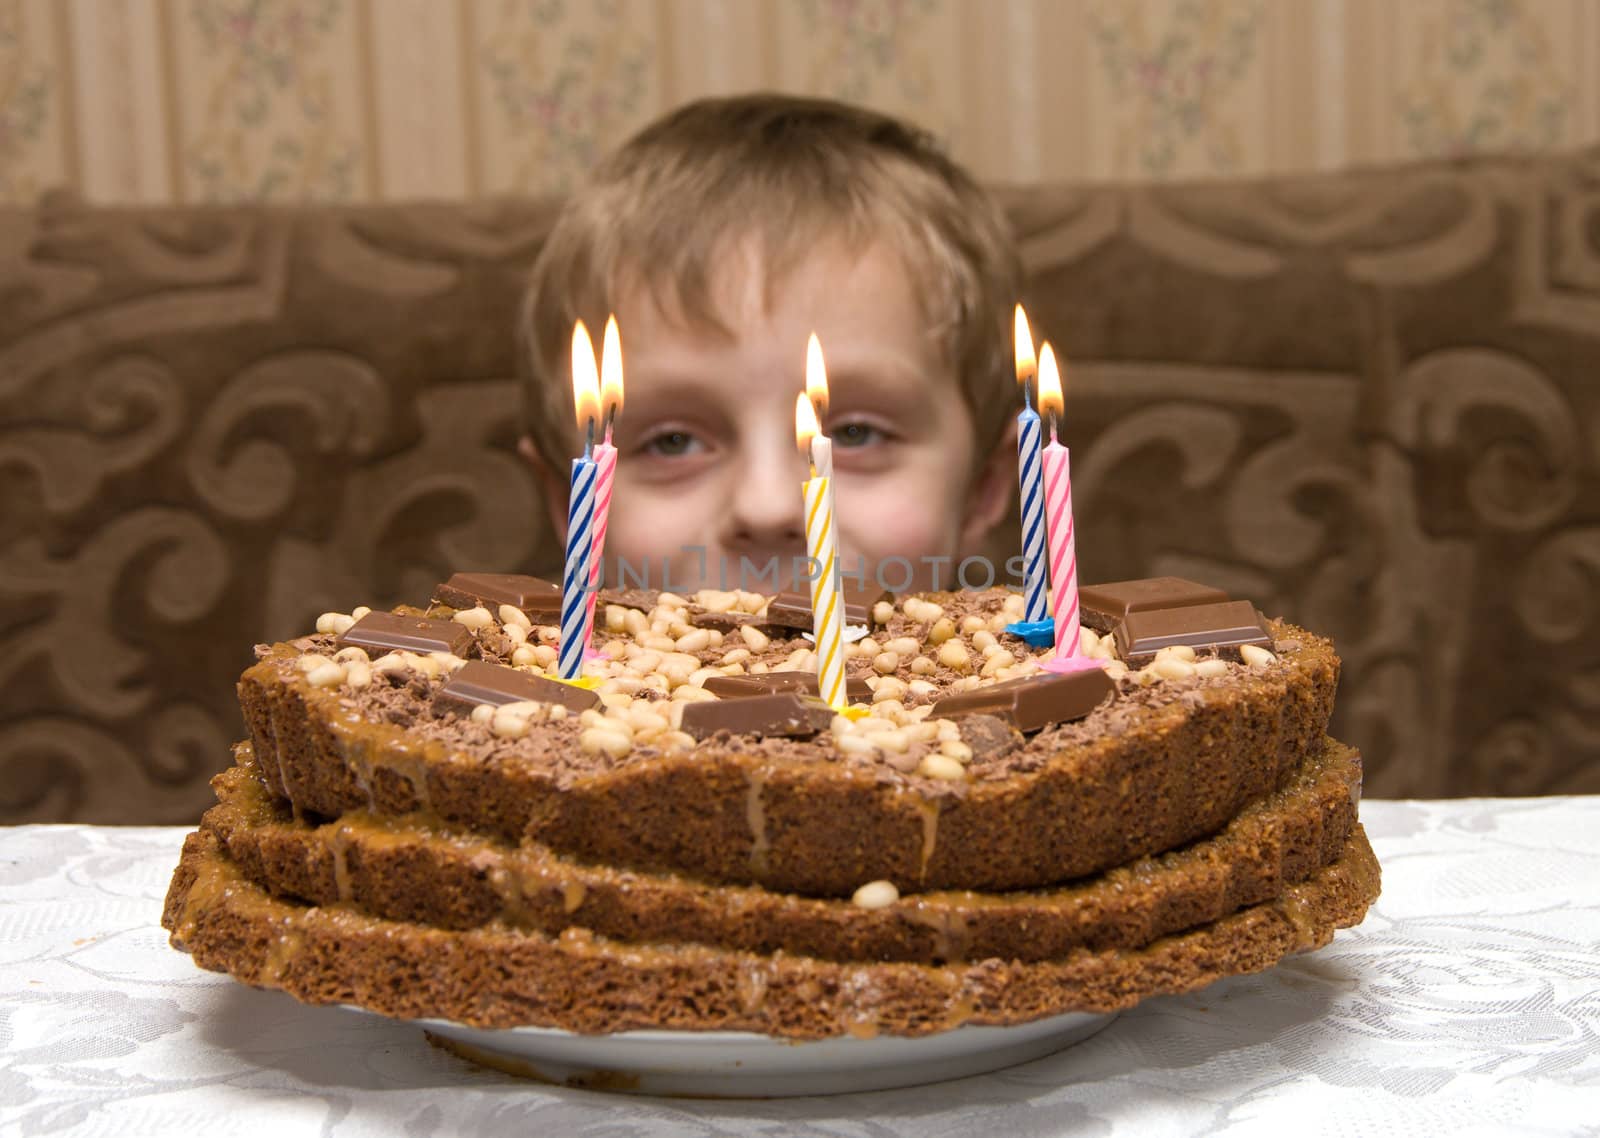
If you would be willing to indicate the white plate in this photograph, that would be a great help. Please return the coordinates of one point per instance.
(743, 1065)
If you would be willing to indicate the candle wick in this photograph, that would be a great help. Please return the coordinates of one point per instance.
(1027, 393)
(1053, 438)
(588, 441)
(611, 418)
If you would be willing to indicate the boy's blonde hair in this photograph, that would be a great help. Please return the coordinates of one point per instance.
(787, 172)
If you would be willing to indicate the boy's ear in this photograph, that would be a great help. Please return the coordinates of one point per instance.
(991, 491)
(552, 486)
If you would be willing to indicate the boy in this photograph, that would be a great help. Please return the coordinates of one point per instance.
(722, 236)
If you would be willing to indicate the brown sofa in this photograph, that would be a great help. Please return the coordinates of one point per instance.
(1369, 401)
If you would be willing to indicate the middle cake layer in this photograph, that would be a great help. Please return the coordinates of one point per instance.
(405, 869)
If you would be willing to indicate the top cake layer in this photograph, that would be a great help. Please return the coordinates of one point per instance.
(800, 801)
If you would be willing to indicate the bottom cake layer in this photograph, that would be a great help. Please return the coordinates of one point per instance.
(416, 871)
(494, 976)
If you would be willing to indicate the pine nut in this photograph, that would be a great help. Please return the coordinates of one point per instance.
(854, 744)
(956, 749)
(941, 767)
(754, 638)
(889, 687)
(603, 740)
(477, 618)
(392, 664)
(1256, 656)
(325, 675)
(953, 655)
(696, 641)
(512, 615)
(1210, 669)
(893, 741)
(875, 895)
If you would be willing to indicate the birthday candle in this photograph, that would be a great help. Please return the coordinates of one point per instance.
(580, 511)
(1058, 511)
(1030, 481)
(574, 581)
(827, 610)
(605, 457)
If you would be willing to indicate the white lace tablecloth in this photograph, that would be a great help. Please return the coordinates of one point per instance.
(1468, 1003)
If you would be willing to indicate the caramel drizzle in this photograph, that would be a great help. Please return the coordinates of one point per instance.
(756, 816)
(339, 841)
(930, 832)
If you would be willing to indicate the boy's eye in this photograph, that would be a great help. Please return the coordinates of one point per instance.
(671, 444)
(855, 434)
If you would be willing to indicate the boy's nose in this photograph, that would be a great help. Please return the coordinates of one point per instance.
(765, 510)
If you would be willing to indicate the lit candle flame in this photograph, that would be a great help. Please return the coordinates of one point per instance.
(585, 381)
(816, 378)
(805, 425)
(1023, 338)
(1050, 399)
(611, 374)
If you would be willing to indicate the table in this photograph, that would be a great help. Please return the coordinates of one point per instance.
(1468, 1003)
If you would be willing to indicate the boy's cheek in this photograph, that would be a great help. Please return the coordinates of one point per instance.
(899, 517)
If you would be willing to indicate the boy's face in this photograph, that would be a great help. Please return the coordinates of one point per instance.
(706, 442)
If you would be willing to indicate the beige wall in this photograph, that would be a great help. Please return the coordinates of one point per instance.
(208, 100)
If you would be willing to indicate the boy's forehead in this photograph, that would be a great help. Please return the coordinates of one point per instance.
(857, 293)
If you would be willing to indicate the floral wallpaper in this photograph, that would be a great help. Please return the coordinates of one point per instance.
(362, 100)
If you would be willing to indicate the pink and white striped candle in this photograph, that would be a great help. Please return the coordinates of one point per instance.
(1058, 514)
(605, 455)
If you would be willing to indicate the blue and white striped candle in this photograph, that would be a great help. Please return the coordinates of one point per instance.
(1030, 481)
(575, 578)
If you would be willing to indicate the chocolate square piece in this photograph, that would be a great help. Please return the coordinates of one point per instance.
(781, 713)
(1227, 625)
(380, 632)
(793, 610)
(479, 681)
(1032, 702)
(735, 687)
(533, 595)
(1104, 606)
(721, 621)
(642, 599)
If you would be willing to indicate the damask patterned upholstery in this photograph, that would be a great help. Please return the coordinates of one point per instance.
(1369, 401)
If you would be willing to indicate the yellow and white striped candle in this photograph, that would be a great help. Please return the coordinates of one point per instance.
(827, 611)
(827, 606)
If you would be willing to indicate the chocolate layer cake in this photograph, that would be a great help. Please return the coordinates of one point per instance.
(689, 838)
